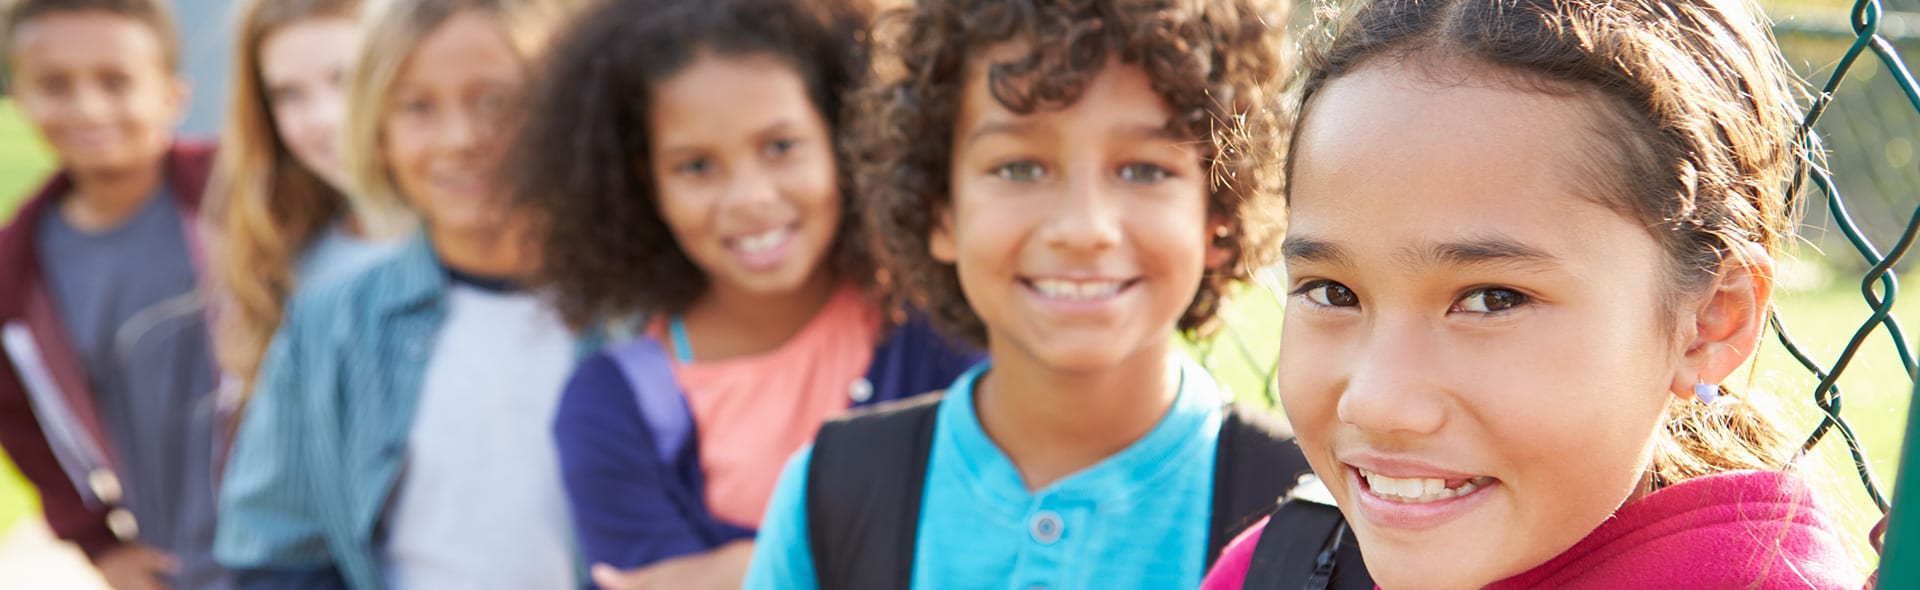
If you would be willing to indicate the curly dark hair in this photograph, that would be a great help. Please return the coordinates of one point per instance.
(1219, 64)
(578, 164)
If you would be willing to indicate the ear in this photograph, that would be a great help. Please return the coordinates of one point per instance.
(1726, 322)
(940, 240)
(1218, 255)
(180, 95)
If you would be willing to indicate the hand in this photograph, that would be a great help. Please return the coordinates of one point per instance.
(135, 567)
(722, 568)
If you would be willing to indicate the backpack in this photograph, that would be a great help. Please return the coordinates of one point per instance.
(866, 479)
(1316, 551)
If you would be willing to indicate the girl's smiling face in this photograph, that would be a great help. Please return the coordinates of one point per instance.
(744, 165)
(445, 123)
(303, 72)
(1475, 357)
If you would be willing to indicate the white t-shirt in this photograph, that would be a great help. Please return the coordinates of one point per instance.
(480, 503)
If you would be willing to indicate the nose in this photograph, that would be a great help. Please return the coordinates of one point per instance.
(750, 186)
(1390, 387)
(462, 131)
(89, 104)
(325, 114)
(1084, 217)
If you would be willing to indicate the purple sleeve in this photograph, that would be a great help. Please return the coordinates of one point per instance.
(627, 505)
(915, 358)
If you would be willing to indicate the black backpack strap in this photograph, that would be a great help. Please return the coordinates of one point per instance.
(1307, 546)
(1255, 463)
(864, 488)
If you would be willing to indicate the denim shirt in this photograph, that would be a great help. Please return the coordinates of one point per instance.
(320, 448)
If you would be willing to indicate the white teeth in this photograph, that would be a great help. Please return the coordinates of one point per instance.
(1419, 490)
(1081, 290)
(762, 241)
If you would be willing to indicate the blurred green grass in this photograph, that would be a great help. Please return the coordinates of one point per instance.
(23, 165)
(23, 159)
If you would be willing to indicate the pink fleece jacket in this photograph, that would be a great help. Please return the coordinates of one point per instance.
(1743, 529)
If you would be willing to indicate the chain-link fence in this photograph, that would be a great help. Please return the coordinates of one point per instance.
(1863, 212)
(1875, 33)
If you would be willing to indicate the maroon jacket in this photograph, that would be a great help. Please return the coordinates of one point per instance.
(48, 423)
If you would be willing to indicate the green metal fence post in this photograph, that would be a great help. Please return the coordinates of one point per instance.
(1900, 560)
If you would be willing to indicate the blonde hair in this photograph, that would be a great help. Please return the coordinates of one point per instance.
(265, 206)
(1702, 144)
(393, 28)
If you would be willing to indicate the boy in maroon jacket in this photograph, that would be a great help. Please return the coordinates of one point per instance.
(106, 380)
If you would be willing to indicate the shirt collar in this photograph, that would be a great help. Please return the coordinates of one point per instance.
(1193, 419)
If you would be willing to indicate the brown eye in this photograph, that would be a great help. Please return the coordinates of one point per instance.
(57, 85)
(1329, 293)
(115, 83)
(285, 95)
(779, 147)
(1490, 300)
(419, 108)
(694, 167)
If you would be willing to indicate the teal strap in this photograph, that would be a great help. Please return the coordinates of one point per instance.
(682, 349)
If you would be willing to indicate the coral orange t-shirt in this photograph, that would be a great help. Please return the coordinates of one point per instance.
(752, 412)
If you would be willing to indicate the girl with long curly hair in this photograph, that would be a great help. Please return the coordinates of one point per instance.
(683, 161)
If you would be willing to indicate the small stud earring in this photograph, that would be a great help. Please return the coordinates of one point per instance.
(1706, 392)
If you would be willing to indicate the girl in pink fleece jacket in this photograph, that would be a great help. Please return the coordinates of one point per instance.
(1528, 241)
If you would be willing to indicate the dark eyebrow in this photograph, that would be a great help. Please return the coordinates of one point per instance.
(1017, 127)
(778, 127)
(1488, 251)
(999, 127)
(1158, 132)
(1304, 249)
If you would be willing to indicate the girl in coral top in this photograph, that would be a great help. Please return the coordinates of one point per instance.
(683, 157)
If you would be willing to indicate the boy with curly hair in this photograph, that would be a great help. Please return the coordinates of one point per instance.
(1065, 184)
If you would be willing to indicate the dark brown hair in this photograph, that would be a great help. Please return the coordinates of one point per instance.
(579, 162)
(152, 13)
(1217, 63)
(1702, 147)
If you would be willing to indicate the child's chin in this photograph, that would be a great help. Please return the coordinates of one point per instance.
(1428, 576)
(99, 160)
(1083, 358)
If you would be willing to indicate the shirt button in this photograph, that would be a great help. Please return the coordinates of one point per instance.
(105, 485)
(1046, 527)
(123, 525)
(860, 391)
